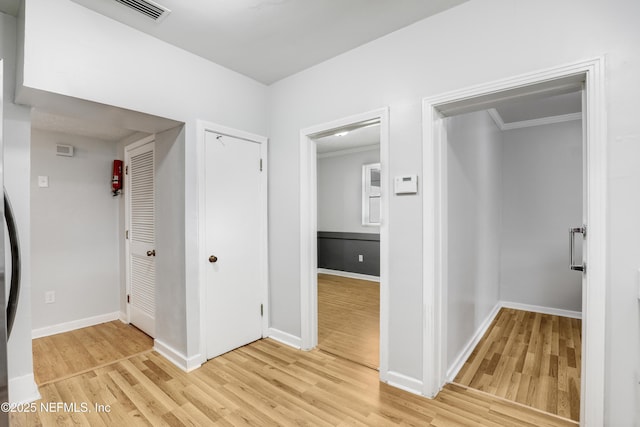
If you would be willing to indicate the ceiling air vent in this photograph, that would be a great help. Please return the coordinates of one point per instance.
(147, 8)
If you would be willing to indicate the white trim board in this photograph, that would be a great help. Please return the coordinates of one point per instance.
(177, 358)
(338, 153)
(541, 309)
(285, 338)
(23, 389)
(497, 118)
(462, 357)
(74, 324)
(404, 382)
(590, 74)
(349, 274)
(309, 230)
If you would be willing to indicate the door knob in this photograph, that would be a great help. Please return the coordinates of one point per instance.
(151, 253)
(213, 258)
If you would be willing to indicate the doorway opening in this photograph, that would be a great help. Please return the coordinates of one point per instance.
(79, 281)
(444, 172)
(349, 201)
(339, 250)
(514, 188)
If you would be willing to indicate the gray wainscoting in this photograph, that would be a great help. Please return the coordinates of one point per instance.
(339, 251)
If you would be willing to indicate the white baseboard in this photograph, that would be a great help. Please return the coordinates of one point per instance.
(543, 310)
(23, 389)
(462, 357)
(404, 382)
(74, 324)
(123, 317)
(177, 358)
(285, 338)
(349, 274)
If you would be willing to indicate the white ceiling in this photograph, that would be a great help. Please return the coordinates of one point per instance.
(271, 39)
(268, 40)
(76, 126)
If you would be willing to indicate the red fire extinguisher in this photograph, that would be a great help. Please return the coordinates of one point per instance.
(116, 179)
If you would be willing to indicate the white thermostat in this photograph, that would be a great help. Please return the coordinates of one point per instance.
(406, 184)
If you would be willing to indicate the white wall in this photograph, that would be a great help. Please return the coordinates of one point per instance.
(74, 228)
(16, 135)
(170, 262)
(542, 198)
(113, 64)
(477, 42)
(340, 192)
(169, 221)
(474, 176)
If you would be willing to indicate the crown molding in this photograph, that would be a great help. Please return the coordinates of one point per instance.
(530, 123)
(349, 151)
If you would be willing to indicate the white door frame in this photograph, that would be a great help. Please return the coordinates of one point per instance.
(435, 223)
(309, 231)
(202, 128)
(127, 214)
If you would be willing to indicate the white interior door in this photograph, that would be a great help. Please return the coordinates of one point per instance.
(140, 207)
(233, 242)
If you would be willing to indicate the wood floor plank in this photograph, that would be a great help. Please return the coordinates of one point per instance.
(530, 358)
(267, 383)
(62, 355)
(349, 318)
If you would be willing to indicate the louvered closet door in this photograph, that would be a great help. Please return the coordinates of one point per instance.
(141, 242)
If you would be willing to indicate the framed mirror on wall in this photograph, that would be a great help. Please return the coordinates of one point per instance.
(371, 206)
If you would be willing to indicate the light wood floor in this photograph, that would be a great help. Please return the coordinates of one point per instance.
(264, 383)
(530, 358)
(349, 318)
(59, 356)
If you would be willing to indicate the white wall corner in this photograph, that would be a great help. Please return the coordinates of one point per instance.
(74, 324)
(285, 338)
(404, 382)
(23, 389)
(123, 317)
(462, 357)
(177, 358)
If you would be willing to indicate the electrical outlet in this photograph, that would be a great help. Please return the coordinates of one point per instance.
(50, 297)
(360, 258)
